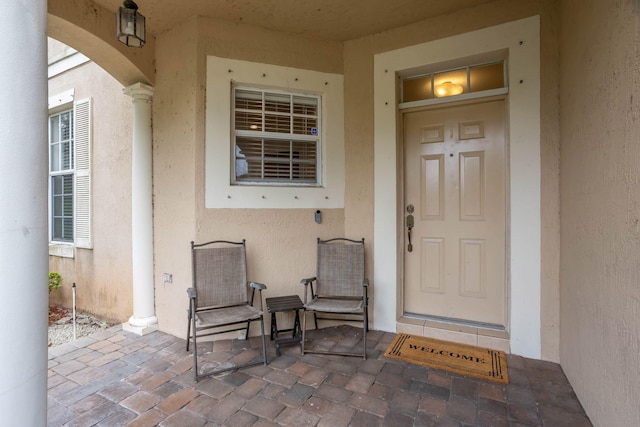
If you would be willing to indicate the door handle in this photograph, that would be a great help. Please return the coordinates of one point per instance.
(409, 226)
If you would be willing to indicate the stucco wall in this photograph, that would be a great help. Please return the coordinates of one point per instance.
(103, 275)
(178, 105)
(597, 335)
(600, 158)
(359, 134)
(280, 242)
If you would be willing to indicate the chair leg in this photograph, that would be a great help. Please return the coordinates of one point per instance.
(264, 344)
(297, 332)
(304, 330)
(364, 337)
(188, 328)
(366, 320)
(274, 327)
(195, 350)
(297, 329)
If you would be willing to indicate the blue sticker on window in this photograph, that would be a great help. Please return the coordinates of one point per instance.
(314, 131)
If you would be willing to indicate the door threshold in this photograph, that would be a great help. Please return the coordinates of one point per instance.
(459, 322)
(482, 335)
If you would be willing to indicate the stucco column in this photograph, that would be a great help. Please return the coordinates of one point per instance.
(24, 260)
(143, 319)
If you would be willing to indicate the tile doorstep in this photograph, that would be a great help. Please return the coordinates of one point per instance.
(482, 337)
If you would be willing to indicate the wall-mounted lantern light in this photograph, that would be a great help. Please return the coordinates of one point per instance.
(130, 27)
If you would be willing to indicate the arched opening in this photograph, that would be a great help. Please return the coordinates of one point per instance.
(90, 29)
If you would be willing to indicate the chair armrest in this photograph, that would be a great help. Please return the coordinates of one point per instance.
(258, 286)
(307, 280)
(192, 293)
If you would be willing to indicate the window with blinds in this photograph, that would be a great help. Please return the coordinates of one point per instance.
(61, 172)
(276, 137)
(70, 175)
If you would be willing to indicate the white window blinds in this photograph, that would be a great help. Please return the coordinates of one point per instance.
(276, 137)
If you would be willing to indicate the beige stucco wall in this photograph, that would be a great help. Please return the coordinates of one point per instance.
(103, 275)
(360, 129)
(600, 251)
(590, 323)
(550, 182)
(281, 241)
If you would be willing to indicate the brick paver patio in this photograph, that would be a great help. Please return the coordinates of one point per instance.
(115, 378)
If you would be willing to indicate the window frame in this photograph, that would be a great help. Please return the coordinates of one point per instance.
(219, 193)
(272, 136)
(55, 172)
(80, 170)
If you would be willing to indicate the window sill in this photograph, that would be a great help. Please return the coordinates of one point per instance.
(61, 250)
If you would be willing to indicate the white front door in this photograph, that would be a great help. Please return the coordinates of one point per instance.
(455, 200)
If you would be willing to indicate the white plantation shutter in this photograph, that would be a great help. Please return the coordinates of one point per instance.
(82, 155)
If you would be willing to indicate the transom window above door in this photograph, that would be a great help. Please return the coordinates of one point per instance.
(453, 82)
(276, 137)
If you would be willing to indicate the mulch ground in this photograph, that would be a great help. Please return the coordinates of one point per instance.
(56, 313)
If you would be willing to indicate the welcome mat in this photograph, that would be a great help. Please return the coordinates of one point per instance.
(462, 359)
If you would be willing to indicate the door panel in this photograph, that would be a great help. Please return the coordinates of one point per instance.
(433, 190)
(432, 272)
(472, 187)
(455, 175)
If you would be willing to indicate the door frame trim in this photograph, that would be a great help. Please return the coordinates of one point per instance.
(520, 40)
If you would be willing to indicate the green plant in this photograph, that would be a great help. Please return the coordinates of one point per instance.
(54, 281)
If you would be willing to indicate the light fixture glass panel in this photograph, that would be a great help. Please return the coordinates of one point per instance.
(450, 83)
(486, 77)
(416, 89)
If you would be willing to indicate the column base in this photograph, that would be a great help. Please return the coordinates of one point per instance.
(141, 326)
(139, 330)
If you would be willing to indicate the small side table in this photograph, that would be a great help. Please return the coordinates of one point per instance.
(281, 304)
